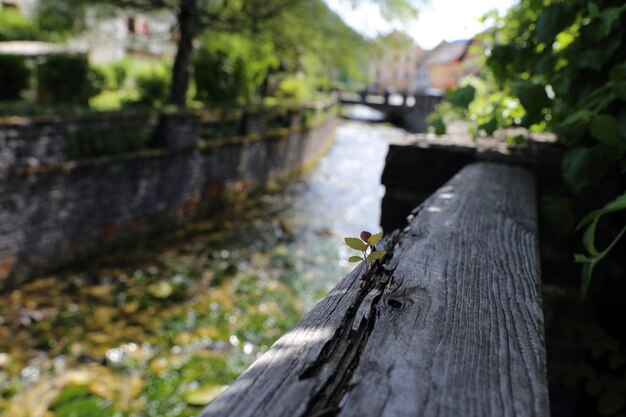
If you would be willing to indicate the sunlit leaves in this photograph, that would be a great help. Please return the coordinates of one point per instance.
(355, 243)
(366, 244)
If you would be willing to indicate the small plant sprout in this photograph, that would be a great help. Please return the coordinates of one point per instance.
(366, 244)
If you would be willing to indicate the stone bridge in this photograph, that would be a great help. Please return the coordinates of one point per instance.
(406, 110)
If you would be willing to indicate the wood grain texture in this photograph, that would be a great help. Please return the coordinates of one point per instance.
(453, 325)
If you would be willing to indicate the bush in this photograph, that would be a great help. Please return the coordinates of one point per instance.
(153, 88)
(292, 88)
(14, 26)
(115, 75)
(68, 79)
(219, 77)
(15, 76)
(228, 68)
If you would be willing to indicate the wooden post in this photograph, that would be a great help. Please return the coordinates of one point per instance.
(452, 325)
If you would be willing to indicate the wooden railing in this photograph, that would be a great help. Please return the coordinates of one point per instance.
(452, 325)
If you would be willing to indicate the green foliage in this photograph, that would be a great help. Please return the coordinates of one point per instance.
(153, 88)
(293, 88)
(15, 26)
(68, 79)
(15, 76)
(115, 74)
(366, 244)
(59, 19)
(228, 68)
(594, 255)
(78, 400)
(564, 63)
(462, 96)
(114, 140)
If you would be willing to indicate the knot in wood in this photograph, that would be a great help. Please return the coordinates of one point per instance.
(394, 303)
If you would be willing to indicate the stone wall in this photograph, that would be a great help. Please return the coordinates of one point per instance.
(54, 211)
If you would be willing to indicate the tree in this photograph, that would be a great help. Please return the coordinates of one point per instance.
(197, 16)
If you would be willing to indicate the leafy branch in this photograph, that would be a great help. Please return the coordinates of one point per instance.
(594, 256)
(366, 244)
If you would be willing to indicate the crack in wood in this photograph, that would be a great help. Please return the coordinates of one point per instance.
(343, 350)
(350, 343)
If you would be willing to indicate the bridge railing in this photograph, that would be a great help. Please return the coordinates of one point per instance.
(391, 99)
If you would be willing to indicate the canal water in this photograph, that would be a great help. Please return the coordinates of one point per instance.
(160, 328)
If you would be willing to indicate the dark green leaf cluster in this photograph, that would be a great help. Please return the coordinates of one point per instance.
(57, 69)
(15, 76)
(565, 63)
(99, 142)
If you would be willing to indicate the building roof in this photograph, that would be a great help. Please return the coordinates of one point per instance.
(446, 52)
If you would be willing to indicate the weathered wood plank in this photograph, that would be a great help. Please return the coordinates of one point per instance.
(452, 326)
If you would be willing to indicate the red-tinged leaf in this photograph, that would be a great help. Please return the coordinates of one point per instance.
(365, 236)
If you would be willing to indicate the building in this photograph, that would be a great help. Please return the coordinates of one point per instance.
(443, 67)
(394, 67)
(115, 34)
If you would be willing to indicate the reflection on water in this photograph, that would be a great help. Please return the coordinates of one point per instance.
(160, 328)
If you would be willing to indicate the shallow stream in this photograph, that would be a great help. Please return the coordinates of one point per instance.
(159, 329)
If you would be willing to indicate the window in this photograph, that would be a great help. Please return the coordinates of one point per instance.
(7, 4)
(131, 24)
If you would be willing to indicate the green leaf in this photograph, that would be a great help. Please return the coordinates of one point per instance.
(582, 165)
(489, 127)
(533, 97)
(618, 204)
(586, 272)
(376, 255)
(355, 258)
(610, 403)
(462, 96)
(581, 259)
(439, 126)
(578, 117)
(592, 59)
(589, 218)
(605, 128)
(355, 243)
(373, 240)
(553, 20)
(609, 16)
(589, 238)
